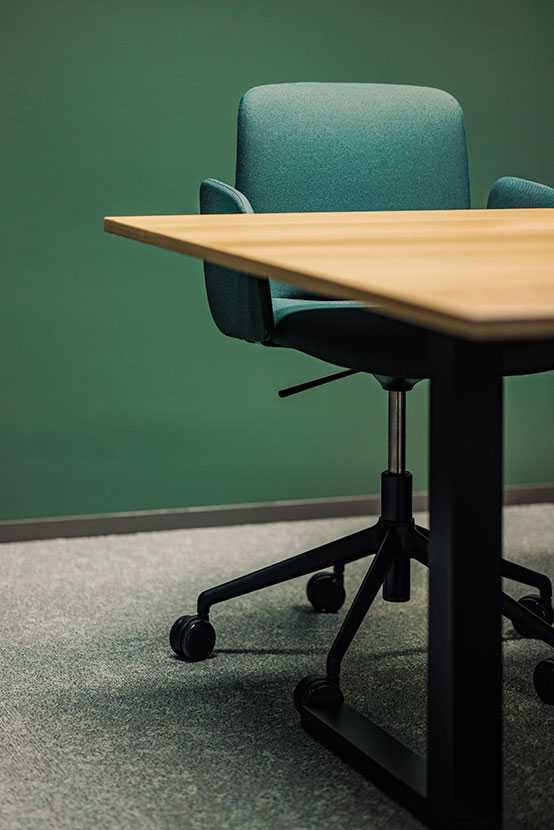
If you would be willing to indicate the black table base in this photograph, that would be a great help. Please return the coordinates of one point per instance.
(460, 783)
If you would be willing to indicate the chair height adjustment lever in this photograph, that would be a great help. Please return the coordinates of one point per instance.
(301, 387)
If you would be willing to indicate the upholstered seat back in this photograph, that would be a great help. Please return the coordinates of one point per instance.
(349, 147)
(332, 147)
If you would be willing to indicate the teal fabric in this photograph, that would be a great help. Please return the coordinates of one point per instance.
(240, 304)
(356, 336)
(350, 147)
(353, 335)
(511, 192)
(335, 147)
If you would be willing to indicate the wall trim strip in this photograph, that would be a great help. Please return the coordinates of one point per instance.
(143, 521)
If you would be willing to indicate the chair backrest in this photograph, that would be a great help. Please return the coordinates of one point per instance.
(349, 147)
(511, 192)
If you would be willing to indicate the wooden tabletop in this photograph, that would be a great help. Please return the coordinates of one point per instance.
(479, 274)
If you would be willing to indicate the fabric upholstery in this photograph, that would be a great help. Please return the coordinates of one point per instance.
(351, 334)
(240, 304)
(350, 147)
(511, 192)
(356, 336)
(335, 147)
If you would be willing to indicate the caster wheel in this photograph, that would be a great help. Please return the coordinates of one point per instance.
(192, 638)
(319, 692)
(543, 678)
(538, 607)
(325, 592)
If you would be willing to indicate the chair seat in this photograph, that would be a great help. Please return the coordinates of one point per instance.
(356, 336)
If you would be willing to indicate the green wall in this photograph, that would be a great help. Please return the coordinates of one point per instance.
(118, 392)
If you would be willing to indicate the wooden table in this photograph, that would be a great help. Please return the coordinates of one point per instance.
(475, 279)
(478, 274)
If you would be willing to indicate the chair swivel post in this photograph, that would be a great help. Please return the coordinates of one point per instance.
(396, 500)
(397, 432)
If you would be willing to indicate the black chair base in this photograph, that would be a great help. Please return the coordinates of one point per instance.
(393, 542)
(379, 756)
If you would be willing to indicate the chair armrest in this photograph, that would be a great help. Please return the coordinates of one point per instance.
(240, 304)
(219, 197)
(511, 192)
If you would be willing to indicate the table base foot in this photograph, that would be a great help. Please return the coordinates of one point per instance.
(385, 761)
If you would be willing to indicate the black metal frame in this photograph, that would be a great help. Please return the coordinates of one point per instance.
(459, 783)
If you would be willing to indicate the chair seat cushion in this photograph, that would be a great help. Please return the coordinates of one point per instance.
(350, 334)
(356, 336)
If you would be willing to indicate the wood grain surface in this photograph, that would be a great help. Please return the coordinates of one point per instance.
(479, 274)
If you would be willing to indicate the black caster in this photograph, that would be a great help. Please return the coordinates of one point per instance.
(319, 692)
(539, 608)
(192, 638)
(543, 678)
(325, 591)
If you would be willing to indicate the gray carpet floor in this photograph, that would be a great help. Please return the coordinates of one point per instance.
(102, 728)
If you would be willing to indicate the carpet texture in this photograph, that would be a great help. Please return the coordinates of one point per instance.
(102, 728)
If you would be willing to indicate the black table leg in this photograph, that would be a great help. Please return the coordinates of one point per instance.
(464, 750)
(460, 785)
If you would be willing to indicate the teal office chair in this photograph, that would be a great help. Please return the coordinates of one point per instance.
(349, 147)
(511, 192)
